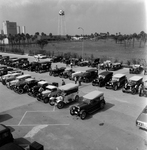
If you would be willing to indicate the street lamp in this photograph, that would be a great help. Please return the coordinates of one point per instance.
(82, 41)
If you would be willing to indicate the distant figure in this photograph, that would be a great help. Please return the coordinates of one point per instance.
(56, 67)
(75, 80)
(63, 82)
(71, 64)
(140, 89)
(79, 81)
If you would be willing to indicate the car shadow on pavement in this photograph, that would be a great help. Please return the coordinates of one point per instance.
(107, 106)
(22, 142)
(4, 117)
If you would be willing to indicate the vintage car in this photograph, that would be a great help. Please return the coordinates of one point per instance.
(118, 81)
(9, 77)
(40, 56)
(136, 69)
(50, 91)
(35, 90)
(43, 66)
(115, 66)
(23, 87)
(18, 80)
(56, 59)
(105, 64)
(67, 73)
(90, 103)
(32, 66)
(67, 93)
(6, 135)
(4, 71)
(56, 71)
(143, 88)
(4, 60)
(18, 62)
(145, 70)
(76, 74)
(12, 62)
(83, 63)
(24, 66)
(102, 79)
(89, 75)
(141, 121)
(94, 63)
(132, 85)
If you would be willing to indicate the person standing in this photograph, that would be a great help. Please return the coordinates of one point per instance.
(75, 80)
(79, 81)
(63, 82)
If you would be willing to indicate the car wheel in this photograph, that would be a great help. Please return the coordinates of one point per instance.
(115, 88)
(50, 73)
(46, 100)
(60, 105)
(20, 91)
(71, 111)
(77, 98)
(51, 103)
(133, 91)
(83, 114)
(102, 105)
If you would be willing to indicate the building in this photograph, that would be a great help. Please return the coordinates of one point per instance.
(9, 28)
(23, 29)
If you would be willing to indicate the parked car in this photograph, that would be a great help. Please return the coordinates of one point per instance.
(136, 69)
(67, 73)
(4, 71)
(94, 63)
(50, 91)
(32, 66)
(43, 66)
(10, 77)
(23, 86)
(4, 60)
(24, 66)
(76, 74)
(115, 66)
(35, 90)
(56, 59)
(102, 79)
(141, 121)
(68, 93)
(11, 146)
(83, 63)
(143, 88)
(57, 71)
(118, 81)
(89, 75)
(6, 135)
(18, 80)
(89, 104)
(40, 56)
(132, 85)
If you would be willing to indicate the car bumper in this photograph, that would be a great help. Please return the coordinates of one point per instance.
(141, 125)
(127, 90)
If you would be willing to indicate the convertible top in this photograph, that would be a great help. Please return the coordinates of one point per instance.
(68, 86)
(23, 76)
(119, 75)
(93, 95)
(135, 78)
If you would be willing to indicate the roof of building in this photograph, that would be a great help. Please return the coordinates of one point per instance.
(93, 94)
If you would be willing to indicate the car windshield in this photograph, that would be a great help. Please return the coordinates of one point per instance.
(145, 111)
(115, 79)
(85, 100)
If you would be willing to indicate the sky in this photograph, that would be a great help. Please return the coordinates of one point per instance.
(101, 16)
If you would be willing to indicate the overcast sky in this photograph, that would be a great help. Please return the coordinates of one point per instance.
(113, 16)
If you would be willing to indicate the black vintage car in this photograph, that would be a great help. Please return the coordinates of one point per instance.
(89, 75)
(32, 66)
(135, 69)
(24, 66)
(90, 103)
(5, 71)
(25, 86)
(12, 62)
(83, 63)
(115, 66)
(43, 66)
(20, 62)
(35, 90)
(4, 60)
(102, 79)
(56, 59)
(67, 73)
(57, 71)
(118, 81)
(132, 86)
(94, 63)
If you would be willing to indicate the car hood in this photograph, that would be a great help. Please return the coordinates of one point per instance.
(82, 105)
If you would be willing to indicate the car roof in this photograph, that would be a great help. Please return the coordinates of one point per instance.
(22, 76)
(68, 69)
(42, 82)
(135, 78)
(105, 73)
(11, 146)
(51, 87)
(117, 63)
(16, 73)
(119, 75)
(68, 86)
(92, 69)
(30, 79)
(93, 94)
(136, 65)
(3, 127)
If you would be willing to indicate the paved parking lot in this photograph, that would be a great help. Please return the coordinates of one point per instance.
(110, 129)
